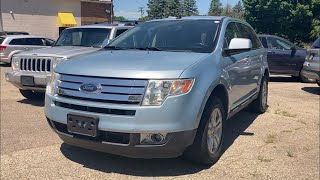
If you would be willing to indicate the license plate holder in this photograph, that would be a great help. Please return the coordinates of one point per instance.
(27, 80)
(83, 125)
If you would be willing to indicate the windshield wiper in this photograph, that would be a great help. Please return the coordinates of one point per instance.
(151, 49)
(114, 48)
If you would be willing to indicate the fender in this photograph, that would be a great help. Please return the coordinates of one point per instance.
(13, 53)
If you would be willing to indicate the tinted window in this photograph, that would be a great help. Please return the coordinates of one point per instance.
(17, 33)
(248, 33)
(232, 32)
(120, 31)
(89, 37)
(17, 41)
(316, 44)
(264, 41)
(178, 35)
(1, 39)
(34, 42)
(274, 43)
(48, 42)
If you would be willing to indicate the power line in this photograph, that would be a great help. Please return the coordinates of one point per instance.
(141, 10)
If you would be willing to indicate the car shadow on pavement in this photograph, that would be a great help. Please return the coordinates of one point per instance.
(284, 79)
(33, 102)
(312, 90)
(154, 167)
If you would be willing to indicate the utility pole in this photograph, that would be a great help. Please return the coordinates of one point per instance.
(141, 10)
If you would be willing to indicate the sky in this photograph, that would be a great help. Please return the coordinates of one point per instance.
(130, 8)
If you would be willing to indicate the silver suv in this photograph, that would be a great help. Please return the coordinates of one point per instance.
(32, 69)
(164, 88)
(13, 44)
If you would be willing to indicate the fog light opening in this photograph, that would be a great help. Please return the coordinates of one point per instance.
(157, 138)
(153, 138)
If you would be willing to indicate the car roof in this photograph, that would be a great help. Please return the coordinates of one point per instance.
(101, 25)
(217, 18)
(22, 36)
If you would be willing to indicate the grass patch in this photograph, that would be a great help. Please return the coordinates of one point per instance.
(271, 138)
(290, 154)
(284, 113)
(263, 159)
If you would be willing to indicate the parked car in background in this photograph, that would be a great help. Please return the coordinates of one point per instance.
(284, 57)
(311, 68)
(32, 69)
(13, 44)
(164, 88)
(5, 33)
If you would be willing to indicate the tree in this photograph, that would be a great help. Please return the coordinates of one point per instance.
(293, 19)
(227, 11)
(238, 10)
(119, 18)
(157, 9)
(216, 8)
(174, 7)
(190, 8)
(143, 19)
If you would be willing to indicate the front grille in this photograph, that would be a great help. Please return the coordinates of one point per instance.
(113, 90)
(96, 110)
(103, 136)
(36, 64)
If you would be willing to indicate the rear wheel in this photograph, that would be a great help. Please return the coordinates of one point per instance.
(207, 146)
(260, 105)
(29, 94)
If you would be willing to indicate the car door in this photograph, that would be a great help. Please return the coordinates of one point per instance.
(281, 56)
(238, 68)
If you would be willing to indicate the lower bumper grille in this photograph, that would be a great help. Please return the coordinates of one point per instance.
(95, 109)
(104, 136)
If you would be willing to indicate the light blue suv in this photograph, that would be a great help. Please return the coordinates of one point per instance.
(162, 89)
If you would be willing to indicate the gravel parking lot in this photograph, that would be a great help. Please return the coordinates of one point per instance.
(280, 144)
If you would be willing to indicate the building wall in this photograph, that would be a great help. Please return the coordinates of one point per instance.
(38, 17)
(93, 12)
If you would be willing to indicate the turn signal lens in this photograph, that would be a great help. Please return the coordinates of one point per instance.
(181, 87)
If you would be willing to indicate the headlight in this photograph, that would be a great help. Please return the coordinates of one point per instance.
(58, 61)
(53, 82)
(15, 63)
(158, 90)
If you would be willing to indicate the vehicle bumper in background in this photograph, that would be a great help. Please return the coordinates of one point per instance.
(4, 59)
(40, 79)
(175, 145)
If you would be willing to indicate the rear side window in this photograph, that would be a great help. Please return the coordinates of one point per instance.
(248, 33)
(264, 41)
(315, 45)
(120, 31)
(35, 42)
(17, 41)
(1, 40)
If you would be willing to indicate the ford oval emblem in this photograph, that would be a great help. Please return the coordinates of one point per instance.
(90, 88)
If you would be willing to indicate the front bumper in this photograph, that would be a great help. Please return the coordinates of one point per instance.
(40, 79)
(175, 145)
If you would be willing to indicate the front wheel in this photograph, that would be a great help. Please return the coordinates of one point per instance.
(207, 146)
(260, 105)
(29, 94)
(306, 80)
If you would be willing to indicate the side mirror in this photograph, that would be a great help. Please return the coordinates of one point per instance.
(293, 50)
(238, 45)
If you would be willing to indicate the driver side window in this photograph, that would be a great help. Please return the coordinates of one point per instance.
(232, 31)
(274, 43)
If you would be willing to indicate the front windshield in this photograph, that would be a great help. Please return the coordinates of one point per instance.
(176, 35)
(88, 37)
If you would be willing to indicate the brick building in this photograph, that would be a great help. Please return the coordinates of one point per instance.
(49, 17)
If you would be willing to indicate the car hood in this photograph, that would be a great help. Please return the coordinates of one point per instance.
(59, 51)
(131, 64)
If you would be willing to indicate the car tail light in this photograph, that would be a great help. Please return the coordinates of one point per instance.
(2, 48)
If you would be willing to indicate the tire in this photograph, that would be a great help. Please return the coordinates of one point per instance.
(29, 94)
(260, 105)
(318, 82)
(199, 151)
(306, 80)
